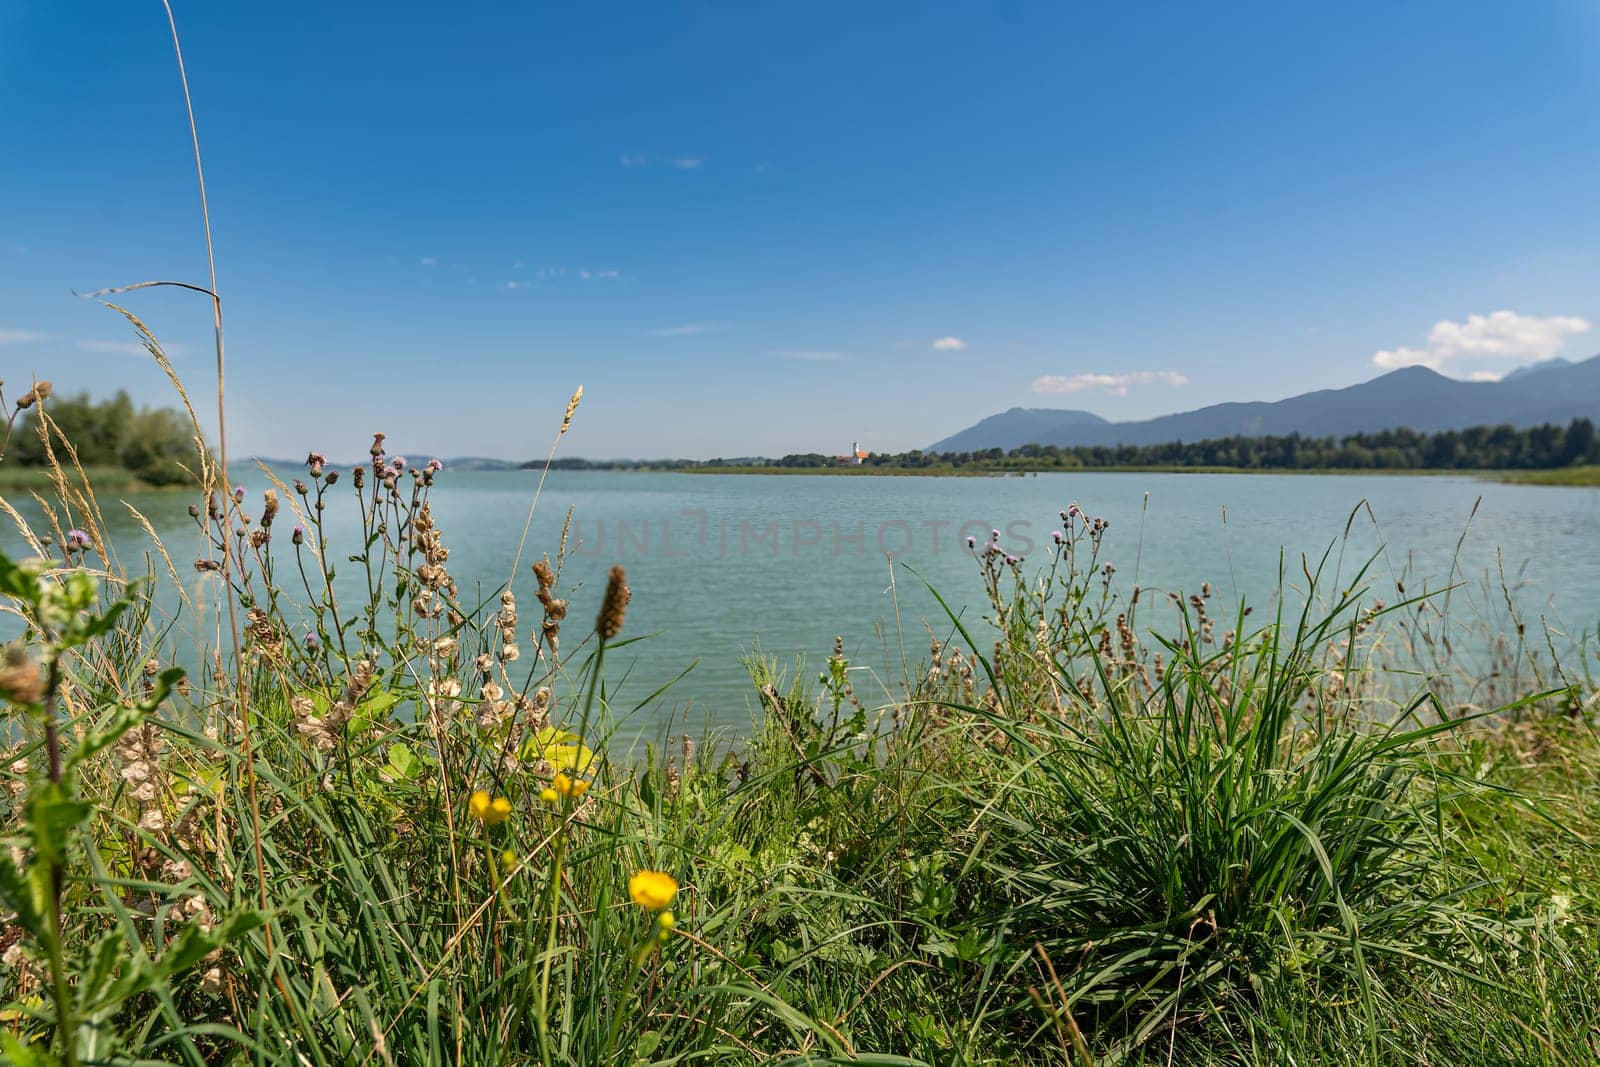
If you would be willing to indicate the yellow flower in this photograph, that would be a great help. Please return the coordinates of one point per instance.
(549, 796)
(508, 860)
(569, 787)
(652, 890)
(489, 812)
(667, 920)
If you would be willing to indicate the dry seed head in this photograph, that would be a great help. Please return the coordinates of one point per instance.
(21, 679)
(615, 605)
(572, 406)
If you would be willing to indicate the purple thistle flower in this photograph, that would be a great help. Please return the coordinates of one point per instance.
(77, 540)
(972, 542)
(398, 463)
(238, 493)
(435, 466)
(316, 459)
(299, 534)
(1057, 535)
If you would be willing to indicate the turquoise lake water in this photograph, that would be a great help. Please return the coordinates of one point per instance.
(724, 565)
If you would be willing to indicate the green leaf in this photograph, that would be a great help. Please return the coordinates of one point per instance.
(165, 682)
(403, 764)
(52, 816)
(194, 944)
(17, 896)
(563, 750)
(19, 1055)
(17, 582)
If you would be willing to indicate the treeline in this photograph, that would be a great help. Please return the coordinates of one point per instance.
(153, 444)
(1504, 447)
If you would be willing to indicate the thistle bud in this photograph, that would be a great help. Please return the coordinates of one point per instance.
(40, 391)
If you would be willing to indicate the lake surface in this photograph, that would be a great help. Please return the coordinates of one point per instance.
(722, 566)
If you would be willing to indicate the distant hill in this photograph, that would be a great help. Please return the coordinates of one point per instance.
(1413, 397)
(1534, 368)
(1018, 427)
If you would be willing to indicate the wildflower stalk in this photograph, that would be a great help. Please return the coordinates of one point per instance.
(555, 868)
(59, 987)
(643, 952)
(247, 746)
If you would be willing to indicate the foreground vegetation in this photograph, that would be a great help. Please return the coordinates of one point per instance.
(1088, 828)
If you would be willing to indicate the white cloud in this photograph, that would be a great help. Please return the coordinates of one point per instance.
(17, 337)
(687, 162)
(815, 357)
(599, 275)
(516, 285)
(949, 344)
(689, 329)
(1484, 376)
(1501, 335)
(428, 261)
(1114, 384)
(633, 159)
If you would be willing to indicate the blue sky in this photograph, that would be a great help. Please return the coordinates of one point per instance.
(783, 227)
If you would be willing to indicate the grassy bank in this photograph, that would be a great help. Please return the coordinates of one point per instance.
(1579, 476)
(1079, 829)
(15, 479)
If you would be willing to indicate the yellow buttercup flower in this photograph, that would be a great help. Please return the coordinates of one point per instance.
(490, 812)
(652, 890)
(549, 796)
(568, 786)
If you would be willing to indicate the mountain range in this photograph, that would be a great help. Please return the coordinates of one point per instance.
(1422, 399)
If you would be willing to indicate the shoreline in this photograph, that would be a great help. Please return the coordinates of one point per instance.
(1569, 477)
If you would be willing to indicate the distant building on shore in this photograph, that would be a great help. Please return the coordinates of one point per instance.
(856, 458)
